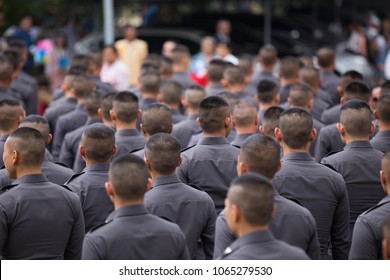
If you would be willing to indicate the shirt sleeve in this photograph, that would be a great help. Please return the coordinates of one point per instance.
(364, 245)
(3, 229)
(207, 236)
(223, 237)
(73, 249)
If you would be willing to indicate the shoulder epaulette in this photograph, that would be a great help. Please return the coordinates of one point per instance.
(135, 150)
(329, 166)
(236, 146)
(185, 149)
(5, 188)
(74, 176)
(227, 252)
(66, 187)
(375, 207)
(99, 226)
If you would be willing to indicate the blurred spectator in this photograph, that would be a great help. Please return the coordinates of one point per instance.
(224, 52)
(114, 71)
(223, 29)
(357, 42)
(267, 57)
(132, 51)
(168, 47)
(214, 76)
(23, 32)
(57, 63)
(181, 62)
(200, 61)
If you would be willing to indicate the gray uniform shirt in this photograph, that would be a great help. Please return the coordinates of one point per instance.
(240, 139)
(291, 223)
(367, 234)
(191, 209)
(323, 192)
(328, 141)
(40, 220)
(90, 187)
(262, 245)
(381, 141)
(331, 115)
(131, 233)
(128, 140)
(214, 88)
(210, 165)
(329, 83)
(54, 112)
(359, 164)
(184, 130)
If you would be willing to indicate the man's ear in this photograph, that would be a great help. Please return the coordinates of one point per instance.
(15, 157)
(274, 209)
(82, 151)
(170, 129)
(180, 161)
(139, 114)
(114, 150)
(241, 168)
(372, 128)
(198, 122)
(148, 164)
(143, 129)
(376, 114)
(289, 101)
(278, 134)
(100, 113)
(279, 166)
(112, 116)
(341, 129)
(342, 100)
(110, 190)
(313, 135)
(261, 129)
(48, 139)
(236, 214)
(224, 83)
(184, 102)
(149, 185)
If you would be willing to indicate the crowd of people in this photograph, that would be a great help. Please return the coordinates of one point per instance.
(148, 156)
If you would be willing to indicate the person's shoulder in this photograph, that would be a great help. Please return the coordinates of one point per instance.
(75, 177)
(291, 252)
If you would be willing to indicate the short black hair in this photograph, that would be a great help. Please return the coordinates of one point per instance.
(325, 56)
(271, 120)
(38, 122)
(300, 95)
(106, 105)
(355, 116)
(357, 90)
(129, 176)
(156, 118)
(125, 106)
(213, 111)
(261, 154)
(383, 108)
(289, 67)
(30, 145)
(268, 55)
(234, 75)
(163, 152)
(98, 141)
(171, 92)
(253, 194)
(82, 86)
(296, 125)
(14, 55)
(6, 68)
(216, 69)
(349, 77)
(194, 95)
(10, 111)
(92, 103)
(150, 82)
(245, 113)
(267, 90)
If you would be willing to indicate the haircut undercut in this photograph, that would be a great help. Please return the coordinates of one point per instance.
(194, 95)
(271, 120)
(106, 105)
(300, 95)
(289, 67)
(349, 77)
(98, 141)
(357, 90)
(245, 113)
(216, 69)
(125, 106)
(92, 103)
(268, 55)
(383, 108)
(82, 86)
(150, 82)
(6, 68)
(171, 92)
(266, 91)
(355, 116)
(233, 75)
(156, 118)
(213, 112)
(325, 56)
(10, 111)
(37, 122)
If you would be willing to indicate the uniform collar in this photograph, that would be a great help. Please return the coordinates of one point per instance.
(193, 117)
(71, 100)
(31, 178)
(127, 132)
(130, 210)
(358, 144)
(3, 138)
(93, 121)
(241, 137)
(175, 112)
(385, 199)
(80, 107)
(254, 237)
(97, 167)
(383, 133)
(298, 156)
(213, 140)
(165, 180)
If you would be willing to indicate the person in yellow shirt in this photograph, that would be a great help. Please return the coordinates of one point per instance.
(132, 51)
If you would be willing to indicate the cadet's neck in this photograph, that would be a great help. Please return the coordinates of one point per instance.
(156, 175)
(265, 106)
(245, 229)
(148, 95)
(173, 106)
(236, 88)
(383, 126)
(27, 170)
(122, 126)
(89, 162)
(191, 111)
(214, 134)
(246, 130)
(348, 139)
(287, 150)
(118, 203)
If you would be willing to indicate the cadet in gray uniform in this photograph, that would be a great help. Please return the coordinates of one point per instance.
(386, 238)
(381, 141)
(156, 118)
(320, 189)
(171, 95)
(329, 140)
(40, 220)
(289, 76)
(6, 75)
(267, 96)
(211, 164)
(181, 57)
(190, 208)
(215, 76)
(82, 87)
(359, 163)
(267, 58)
(248, 208)
(367, 234)
(124, 115)
(11, 114)
(130, 232)
(271, 121)
(246, 121)
(54, 172)
(97, 148)
(234, 82)
(150, 89)
(184, 130)
(291, 222)
(70, 145)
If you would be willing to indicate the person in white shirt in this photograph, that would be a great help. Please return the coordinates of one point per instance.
(114, 71)
(223, 51)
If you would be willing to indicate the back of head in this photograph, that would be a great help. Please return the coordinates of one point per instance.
(216, 69)
(266, 91)
(37, 122)
(245, 62)
(82, 86)
(231, 98)
(154, 59)
(18, 44)
(150, 83)
(14, 55)
(194, 95)
(149, 67)
(245, 113)
(355, 116)
(163, 152)
(10, 114)
(296, 125)
(129, 177)
(125, 107)
(260, 154)
(180, 53)
(310, 76)
(233, 75)
(326, 57)
(213, 111)
(171, 93)
(253, 195)
(300, 96)
(29, 144)
(268, 55)
(98, 141)
(357, 90)
(95, 60)
(166, 66)
(106, 105)
(79, 60)
(349, 77)
(383, 108)
(92, 103)
(271, 120)
(157, 118)
(385, 87)
(289, 68)
(386, 165)
(6, 69)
